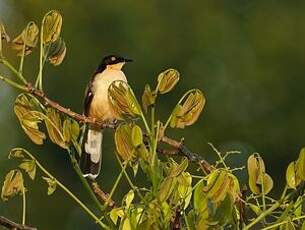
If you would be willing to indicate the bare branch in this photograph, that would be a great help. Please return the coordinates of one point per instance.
(102, 195)
(183, 150)
(67, 111)
(9, 224)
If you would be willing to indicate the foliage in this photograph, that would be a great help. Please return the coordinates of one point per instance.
(175, 197)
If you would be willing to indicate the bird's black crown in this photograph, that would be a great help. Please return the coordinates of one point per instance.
(110, 60)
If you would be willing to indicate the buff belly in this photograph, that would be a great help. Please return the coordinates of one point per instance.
(100, 107)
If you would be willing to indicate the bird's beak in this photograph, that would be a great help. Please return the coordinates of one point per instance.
(127, 60)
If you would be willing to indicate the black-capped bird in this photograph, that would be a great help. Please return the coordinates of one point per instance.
(97, 106)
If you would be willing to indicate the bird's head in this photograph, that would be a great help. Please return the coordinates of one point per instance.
(113, 62)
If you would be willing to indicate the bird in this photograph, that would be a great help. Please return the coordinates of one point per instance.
(97, 106)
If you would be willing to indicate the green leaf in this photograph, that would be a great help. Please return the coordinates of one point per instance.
(122, 100)
(300, 165)
(13, 184)
(129, 198)
(28, 118)
(184, 189)
(223, 213)
(291, 177)
(200, 198)
(17, 153)
(51, 184)
(175, 169)
(166, 188)
(70, 130)
(3, 34)
(148, 97)
(218, 186)
(51, 26)
(126, 224)
(298, 207)
(27, 38)
(57, 52)
(268, 183)
(54, 128)
(167, 80)
(188, 109)
(136, 136)
(258, 178)
(115, 213)
(29, 166)
(135, 167)
(123, 142)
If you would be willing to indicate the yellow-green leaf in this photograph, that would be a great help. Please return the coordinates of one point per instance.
(29, 119)
(51, 184)
(166, 188)
(126, 224)
(176, 169)
(259, 180)
(27, 38)
(136, 136)
(57, 52)
(16, 152)
(122, 100)
(54, 127)
(188, 109)
(129, 198)
(268, 183)
(29, 166)
(300, 165)
(185, 188)
(292, 179)
(13, 184)
(51, 26)
(148, 97)
(200, 198)
(123, 142)
(115, 213)
(218, 186)
(70, 130)
(3, 34)
(167, 80)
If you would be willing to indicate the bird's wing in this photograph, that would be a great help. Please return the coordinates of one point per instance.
(88, 98)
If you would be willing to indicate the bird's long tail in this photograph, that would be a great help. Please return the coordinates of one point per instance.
(91, 158)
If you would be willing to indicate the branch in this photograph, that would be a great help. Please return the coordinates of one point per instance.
(12, 225)
(102, 195)
(292, 196)
(185, 151)
(67, 111)
(178, 145)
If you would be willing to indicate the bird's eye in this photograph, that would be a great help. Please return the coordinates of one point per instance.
(112, 58)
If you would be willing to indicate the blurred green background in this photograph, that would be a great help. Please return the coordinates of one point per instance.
(247, 56)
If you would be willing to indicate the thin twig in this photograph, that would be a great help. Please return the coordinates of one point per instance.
(9, 224)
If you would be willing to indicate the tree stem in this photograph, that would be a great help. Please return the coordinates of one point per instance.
(117, 181)
(13, 83)
(79, 202)
(22, 59)
(12, 68)
(263, 215)
(38, 83)
(23, 206)
(129, 180)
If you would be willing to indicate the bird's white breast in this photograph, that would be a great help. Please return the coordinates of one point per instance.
(100, 107)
